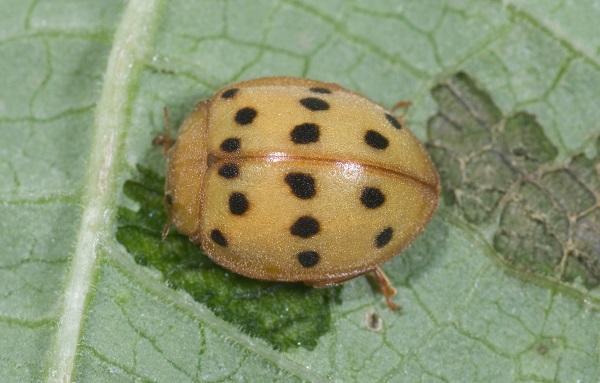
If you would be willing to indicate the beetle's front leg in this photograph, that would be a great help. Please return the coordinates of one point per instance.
(165, 139)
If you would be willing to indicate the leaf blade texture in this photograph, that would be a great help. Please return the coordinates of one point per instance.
(75, 125)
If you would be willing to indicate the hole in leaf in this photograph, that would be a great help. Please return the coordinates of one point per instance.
(285, 314)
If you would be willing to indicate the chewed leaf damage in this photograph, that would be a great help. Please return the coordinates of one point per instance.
(501, 171)
(286, 315)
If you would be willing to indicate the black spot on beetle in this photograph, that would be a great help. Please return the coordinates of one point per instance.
(231, 144)
(302, 185)
(384, 237)
(218, 237)
(393, 120)
(230, 93)
(245, 116)
(229, 170)
(305, 133)
(318, 89)
(376, 140)
(314, 104)
(308, 258)
(372, 197)
(305, 227)
(238, 203)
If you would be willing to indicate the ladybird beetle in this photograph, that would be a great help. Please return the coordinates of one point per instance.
(289, 179)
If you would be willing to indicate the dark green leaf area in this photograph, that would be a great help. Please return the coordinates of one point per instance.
(285, 314)
(500, 173)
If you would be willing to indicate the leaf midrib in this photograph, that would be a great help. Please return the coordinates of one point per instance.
(133, 40)
(100, 186)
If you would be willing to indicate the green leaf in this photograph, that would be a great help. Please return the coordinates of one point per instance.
(488, 291)
(284, 314)
(501, 174)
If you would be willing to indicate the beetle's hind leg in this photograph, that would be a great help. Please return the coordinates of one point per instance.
(385, 285)
(165, 139)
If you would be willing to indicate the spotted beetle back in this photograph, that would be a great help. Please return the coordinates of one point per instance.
(297, 180)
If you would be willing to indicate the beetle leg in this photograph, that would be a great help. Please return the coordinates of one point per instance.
(165, 138)
(168, 202)
(402, 104)
(166, 141)
(327, 282)
(386, 287)
(166, 228)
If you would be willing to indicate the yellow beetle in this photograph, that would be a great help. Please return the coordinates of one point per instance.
(289, 179)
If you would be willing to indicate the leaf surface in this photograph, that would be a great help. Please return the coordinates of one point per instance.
(81, 96)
